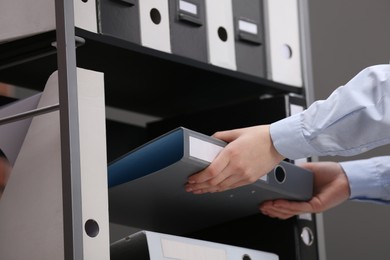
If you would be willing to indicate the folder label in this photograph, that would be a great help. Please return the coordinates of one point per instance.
(185, 251)
(203, 150)
(247, 27)
(188, 7)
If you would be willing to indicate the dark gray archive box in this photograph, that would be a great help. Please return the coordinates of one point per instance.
(188, 28)
(249, 37)
(143, 22)
(120, 18)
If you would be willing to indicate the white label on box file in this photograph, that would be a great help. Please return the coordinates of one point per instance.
(186, 251)
(188, 7)
(203, 150)
(247, 27)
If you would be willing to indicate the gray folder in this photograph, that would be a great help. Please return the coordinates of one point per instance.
(120, 19)
(249, 37)
(188, 28)
(146, 186)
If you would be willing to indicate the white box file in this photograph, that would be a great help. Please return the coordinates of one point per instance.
(219, 17)
(154, 20)
(31, 207)
(145, 245)
(283, 42)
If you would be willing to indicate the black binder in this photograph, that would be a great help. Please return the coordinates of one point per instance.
(188, 28)
(249, 37)
(120, 19)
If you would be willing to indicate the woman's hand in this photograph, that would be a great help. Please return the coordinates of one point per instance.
(331, 188)
(249, 155)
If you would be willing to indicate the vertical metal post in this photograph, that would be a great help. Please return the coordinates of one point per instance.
(309, 95)
(69, 124)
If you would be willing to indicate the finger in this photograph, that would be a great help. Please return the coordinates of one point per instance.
(211, 185)
(277, 215)
(219, 163)
(227, 136)
(287, 207)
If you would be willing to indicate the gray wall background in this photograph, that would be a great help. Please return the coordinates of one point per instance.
(347, 36)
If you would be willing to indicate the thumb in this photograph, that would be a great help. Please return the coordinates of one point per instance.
(227, 136)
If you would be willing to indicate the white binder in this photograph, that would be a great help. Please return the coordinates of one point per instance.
(220, 33)
(31, 208)
(145, 245)
(154, 19)
(283, 41)
(19, 18)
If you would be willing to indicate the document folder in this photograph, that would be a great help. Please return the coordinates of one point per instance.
(154, 19)
(249, 37)
(188, 28)
(120, 19)
(220, 35)
(283, 41)
(140, 22)
(146, 186)
(148, 245)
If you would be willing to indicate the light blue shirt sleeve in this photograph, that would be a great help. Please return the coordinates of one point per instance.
(369, 179)
(353, 119)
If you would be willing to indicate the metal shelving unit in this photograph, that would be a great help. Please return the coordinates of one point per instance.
(87, 237)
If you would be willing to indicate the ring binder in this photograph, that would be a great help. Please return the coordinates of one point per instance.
(146, 186)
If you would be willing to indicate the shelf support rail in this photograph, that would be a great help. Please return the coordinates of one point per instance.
(28, 114)
(70, 143)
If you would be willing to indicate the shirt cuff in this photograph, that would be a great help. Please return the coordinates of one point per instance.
(286, 135)
(365, 180)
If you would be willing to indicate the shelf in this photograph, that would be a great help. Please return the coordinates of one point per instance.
(137, 78)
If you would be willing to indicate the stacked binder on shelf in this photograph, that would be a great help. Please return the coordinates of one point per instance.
(220, 36)
(284, 62)
(145, 245)
(144, 22)
(249, 37)
(261, 39)
(146, 186)
(188, 29)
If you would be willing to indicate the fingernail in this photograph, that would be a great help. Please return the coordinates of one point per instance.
(191, 181)
(188, 189)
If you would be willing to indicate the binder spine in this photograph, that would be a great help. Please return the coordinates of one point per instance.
(120, 18)
(306, 237)
(154, 19)
(188, 28)
(219, 15)
(283, 42)
(249, 37)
